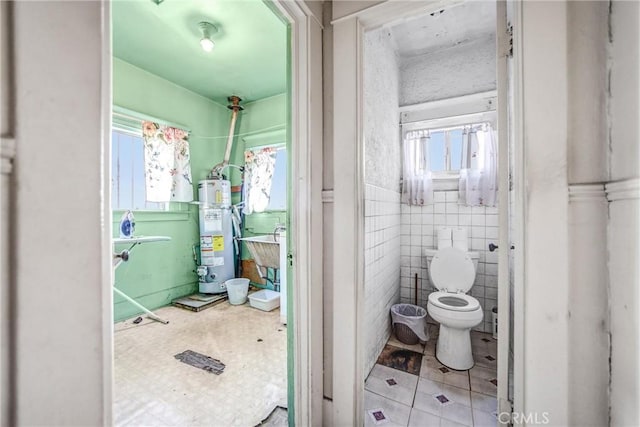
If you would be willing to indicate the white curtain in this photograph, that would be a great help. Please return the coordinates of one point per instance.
(479, 172)
(167, 163)
(417, 184)
(259, 165)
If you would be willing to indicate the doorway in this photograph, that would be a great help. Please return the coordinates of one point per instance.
(370, 248)
(296, 114)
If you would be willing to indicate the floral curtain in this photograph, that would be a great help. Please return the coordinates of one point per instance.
(258, 175)
(167, 163)
(417, 183)
(478, 184)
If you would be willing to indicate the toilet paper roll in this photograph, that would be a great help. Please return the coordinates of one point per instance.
(460, 239)
(444, 237)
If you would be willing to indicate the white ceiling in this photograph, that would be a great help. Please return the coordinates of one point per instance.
(452, 26)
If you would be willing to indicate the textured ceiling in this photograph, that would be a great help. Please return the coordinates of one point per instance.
(453, 26)
(249, 58)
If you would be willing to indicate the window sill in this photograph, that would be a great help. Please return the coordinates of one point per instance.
(446, 183)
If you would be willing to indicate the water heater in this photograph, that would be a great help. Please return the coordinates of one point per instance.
(216, 235)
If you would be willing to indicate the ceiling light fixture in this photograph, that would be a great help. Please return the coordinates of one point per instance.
(207, 30)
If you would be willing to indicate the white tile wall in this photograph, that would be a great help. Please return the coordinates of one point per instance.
(418, 225)
(382, 255)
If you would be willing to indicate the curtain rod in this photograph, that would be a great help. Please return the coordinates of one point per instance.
(447, 128)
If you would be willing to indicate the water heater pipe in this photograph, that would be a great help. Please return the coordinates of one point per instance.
(235, 107)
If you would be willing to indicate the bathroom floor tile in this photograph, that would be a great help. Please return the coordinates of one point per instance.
(430, 347)
(442, 401)
(401, 359)
(446, 397)
(152, 388)
(484, 419)
(483, 402)
(484, 386)
(380, 410)
(434, 370)
(483, 372)
(486, 360)
(420, 418)
(448, 423)
(393, 384)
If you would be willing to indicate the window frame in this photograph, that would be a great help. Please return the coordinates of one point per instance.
(447, 180)
(130, 122)
(277, 146)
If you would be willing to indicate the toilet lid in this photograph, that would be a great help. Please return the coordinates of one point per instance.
(452, 269)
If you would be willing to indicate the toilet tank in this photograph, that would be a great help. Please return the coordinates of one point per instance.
(475, 256)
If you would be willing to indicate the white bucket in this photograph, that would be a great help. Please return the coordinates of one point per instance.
(237, 290)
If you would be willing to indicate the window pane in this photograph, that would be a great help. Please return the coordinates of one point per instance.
(278, 197)
(437, 151)
(127, 173)
(139, 199)
(126, 168)
(455, 136)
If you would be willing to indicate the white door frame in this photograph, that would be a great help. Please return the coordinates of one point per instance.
(306, 218)
(348, 376)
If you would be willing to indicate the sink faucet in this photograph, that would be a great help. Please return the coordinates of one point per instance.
(276, 231)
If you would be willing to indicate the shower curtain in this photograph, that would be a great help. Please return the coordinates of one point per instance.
(167, 163)
(417, 183)
(478, 184)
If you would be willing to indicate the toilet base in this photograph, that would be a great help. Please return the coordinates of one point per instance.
(454, 348)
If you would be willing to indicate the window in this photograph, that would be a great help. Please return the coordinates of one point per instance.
(127, 172)
(265, 179)
(445, 150)
(278, 196)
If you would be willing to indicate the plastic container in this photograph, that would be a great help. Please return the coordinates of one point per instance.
(265, 300)
(237, 290)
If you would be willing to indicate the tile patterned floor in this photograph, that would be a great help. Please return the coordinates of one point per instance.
(152, 388)
(438, 396)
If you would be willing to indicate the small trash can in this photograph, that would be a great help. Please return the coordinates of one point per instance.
(494, 317)
(409, 323)
(237, 290)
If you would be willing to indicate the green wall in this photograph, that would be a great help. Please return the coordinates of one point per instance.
(160, 272)
(263, 122)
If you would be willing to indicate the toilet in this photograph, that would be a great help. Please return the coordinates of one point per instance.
(453, 272)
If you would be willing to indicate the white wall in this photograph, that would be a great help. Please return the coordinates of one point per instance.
(546, 281)
(382, 197)
(625, 87)
(382, 267)
(419, 226)
(461, 70)
(62, 348)
(381, 116)
(624, 211)
(587, 35)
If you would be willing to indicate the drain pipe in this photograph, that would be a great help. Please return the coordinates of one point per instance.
(216, 171)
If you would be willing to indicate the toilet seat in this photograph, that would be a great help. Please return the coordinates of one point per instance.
(453, 301)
